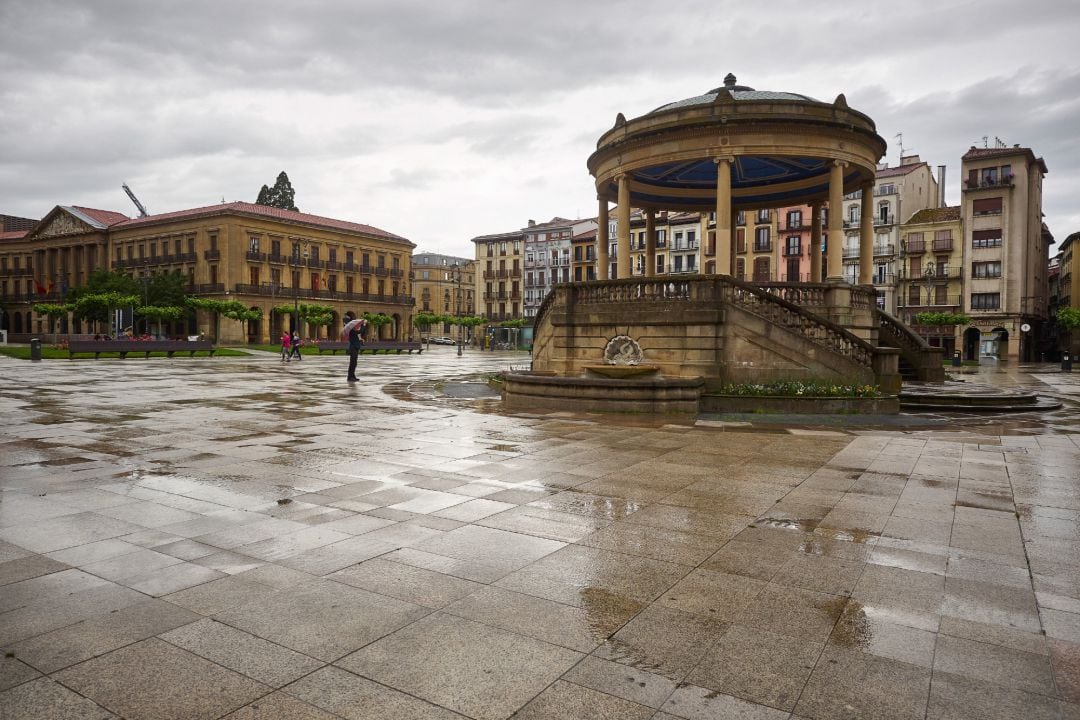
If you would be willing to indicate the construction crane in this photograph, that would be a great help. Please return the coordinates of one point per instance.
(142, 210)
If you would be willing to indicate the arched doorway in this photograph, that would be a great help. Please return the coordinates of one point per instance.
(972, 337)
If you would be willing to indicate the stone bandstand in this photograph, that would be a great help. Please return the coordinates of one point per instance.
(733, 148)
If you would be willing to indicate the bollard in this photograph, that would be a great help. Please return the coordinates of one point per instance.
(956, 359)
(35, 350)
(1066, 362)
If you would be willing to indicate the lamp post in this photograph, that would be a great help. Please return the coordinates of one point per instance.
(296, 283)
(457, 305)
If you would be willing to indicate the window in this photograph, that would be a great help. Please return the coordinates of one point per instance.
(740, 218)
(794, 218)
(763, 216)
(986, 206)
(794, 246)
(986, 269)
(793, 270)
(691, 263)
(253, 275)
(678, 264)
(253, 244)
(985, 301)
(659, 264)
(661, 238)
(740, 240)
(762, 241)
(941, 295)
(986, 238)
(853, 214)
(678, 241)
(740, 268)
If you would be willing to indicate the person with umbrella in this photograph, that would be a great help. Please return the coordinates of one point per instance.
(354, 333)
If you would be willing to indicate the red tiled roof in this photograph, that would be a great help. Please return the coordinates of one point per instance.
(899, 170)
(975, 153)
(586, 235)
(105, 217)
(13, 235)
(932, 215)
(515, 235)
(246, 208)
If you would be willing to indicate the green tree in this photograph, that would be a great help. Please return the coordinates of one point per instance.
(53, 312)
(1069, 318)
(942, 318)
(106, 281)
(312, 313)
(282, 195)
(376, 321)
(161, 313)
(97, 307)
(232, 309)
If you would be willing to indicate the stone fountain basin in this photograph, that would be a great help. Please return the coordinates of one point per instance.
(621, 371)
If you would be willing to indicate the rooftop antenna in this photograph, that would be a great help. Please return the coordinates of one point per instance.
(985, 142)
(998, 142)
(901, 143)
(142, 210)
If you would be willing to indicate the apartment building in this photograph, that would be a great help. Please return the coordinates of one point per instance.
(899, 193)
(931, 272)
(499, 261)
(444, 285)
(1008, 249)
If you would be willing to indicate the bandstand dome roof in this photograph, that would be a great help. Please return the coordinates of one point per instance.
(781, 146)
(738, 92)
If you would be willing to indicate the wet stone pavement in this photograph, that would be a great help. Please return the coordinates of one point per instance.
(244, 539)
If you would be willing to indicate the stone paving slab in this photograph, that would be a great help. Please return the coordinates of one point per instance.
(234, 538)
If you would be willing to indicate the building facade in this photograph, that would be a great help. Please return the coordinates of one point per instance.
(931, 274)
(899, 193)
(261, 256)
(1008, 249)
(444, 285)
(499, 278)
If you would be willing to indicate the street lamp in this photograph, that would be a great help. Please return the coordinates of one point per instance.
(296, 283)
(457, 303)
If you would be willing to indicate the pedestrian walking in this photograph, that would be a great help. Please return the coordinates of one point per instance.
(354, 333)
(296, 343)
(286, 346)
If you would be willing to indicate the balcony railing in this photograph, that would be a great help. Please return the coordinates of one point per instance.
(943, 245)
(944, 272)
(792, 251)
(949, 301)
(888, 219)
(885, 190)
(382, 271)
(915, 247)
(763, 247)
(255, 256)
(211, 254)
(982, 183)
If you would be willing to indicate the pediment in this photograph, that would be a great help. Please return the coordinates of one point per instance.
(61, 222)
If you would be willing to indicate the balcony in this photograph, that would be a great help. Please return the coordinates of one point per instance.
(207, 288)
(211, 254)
(350, 266)
(988, 182)
(943, 245)
(852, 224)
(255, 256)
(851, 253)
(915, 247)
(949, 302)
(397, 273)
(942, 273)
(790, 251)
(382, 271)
(763, 247)
(885, 190)
(888, 219)
(884, 249)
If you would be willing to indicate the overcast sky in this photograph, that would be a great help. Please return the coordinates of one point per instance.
(440, 120)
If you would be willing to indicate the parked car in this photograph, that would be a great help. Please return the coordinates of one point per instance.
(441, 341)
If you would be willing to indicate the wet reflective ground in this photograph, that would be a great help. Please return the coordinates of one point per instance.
(238, 538)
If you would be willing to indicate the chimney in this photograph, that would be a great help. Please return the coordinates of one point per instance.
(532, 223)
(910, 160)
(941, 185)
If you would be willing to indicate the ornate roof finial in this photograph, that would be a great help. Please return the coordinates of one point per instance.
(729, 80)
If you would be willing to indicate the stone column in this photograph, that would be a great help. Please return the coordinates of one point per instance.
(622, 251)
(602, 241)
(650, 243)
(723, 216)
(815, 242)
(835, 271)
(866, 235)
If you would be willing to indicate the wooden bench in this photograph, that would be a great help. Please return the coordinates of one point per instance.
(374, 347)
(139, 346)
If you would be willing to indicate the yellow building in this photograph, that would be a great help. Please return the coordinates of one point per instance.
(931, 273)
(261, 256)
(444, 285)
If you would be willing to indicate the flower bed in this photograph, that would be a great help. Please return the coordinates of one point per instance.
(799, 398)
